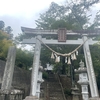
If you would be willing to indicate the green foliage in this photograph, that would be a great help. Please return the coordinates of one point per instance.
(72, 16)
(57, 68)
(49, 18)
(67, 92)
(98, 79)
(95, 52)
(45, 75)
(4, 45)
(3, 35)
(96, 22)
(24, 58)
(45, 56)
(8, 29)
(20, 37)
(2, 24)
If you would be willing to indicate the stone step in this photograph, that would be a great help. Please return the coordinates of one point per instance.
(55, 98)
(53, 79)
(54, 88)
(57, 95)
(55, 92)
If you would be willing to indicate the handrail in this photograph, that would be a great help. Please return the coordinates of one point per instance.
(61, 88)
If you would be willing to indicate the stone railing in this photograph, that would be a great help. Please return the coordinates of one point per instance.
(11, 95)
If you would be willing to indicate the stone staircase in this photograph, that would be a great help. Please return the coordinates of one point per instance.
(54, 88)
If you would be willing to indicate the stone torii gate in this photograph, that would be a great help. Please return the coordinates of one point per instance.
(37, 33)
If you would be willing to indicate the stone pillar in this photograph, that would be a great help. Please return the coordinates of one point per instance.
(9, 69)
(90, 70)
(34, 76)
(40, 80)
(35, 68)
(85, 94)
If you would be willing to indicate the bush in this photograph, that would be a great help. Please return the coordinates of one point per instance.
(45, 75)
(67, 91)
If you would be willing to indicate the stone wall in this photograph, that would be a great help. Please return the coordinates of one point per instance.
(21, 78)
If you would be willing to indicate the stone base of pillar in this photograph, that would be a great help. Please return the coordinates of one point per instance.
(31, 98)
(75, 97)
(75, 93)
(94, 98)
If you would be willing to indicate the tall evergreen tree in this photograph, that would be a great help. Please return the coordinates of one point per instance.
(73, 15)
(2, 24)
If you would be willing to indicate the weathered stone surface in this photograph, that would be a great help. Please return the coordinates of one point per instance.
(94, 98)
(9, 69)
(35, 68)
(75, 97)
(21, 78)
(31, 98)
(75, 93)
(90, 70)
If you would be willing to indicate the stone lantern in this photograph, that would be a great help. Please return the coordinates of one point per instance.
(83, 80)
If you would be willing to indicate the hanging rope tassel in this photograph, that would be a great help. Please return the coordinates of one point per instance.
(52, 56)
(74, 56)
(57, 59)
(77, 53)
(55, 55)
(65, 59)
(69, 61)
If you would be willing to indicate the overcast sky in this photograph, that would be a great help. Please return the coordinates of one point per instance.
(17, 13)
